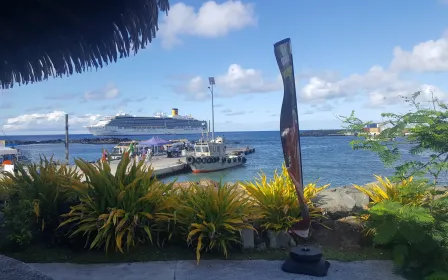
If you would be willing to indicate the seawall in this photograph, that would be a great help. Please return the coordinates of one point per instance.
(116, 140)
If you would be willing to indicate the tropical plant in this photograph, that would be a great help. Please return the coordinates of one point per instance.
(276, 202)
(118, 210)
(5, 185)
(18, 224)
(212, 217)
(417, 234)
(426, 130)
(46, 186)
(407, 192)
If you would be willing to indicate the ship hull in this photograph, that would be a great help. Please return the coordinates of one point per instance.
(106, 131)
(213, 167)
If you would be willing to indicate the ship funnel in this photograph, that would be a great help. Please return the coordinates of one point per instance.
(174, 112)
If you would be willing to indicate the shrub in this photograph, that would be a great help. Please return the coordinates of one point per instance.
(212, 217)
(45, 186)
(277, 206)
(5, 184)
(18, 224)
(406, 191)
(407, 218)
(418, 235)
(118, 210)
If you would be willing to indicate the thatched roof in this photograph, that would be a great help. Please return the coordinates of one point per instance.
(43, 38)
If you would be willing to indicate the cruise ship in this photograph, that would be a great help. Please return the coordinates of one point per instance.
(125, 125)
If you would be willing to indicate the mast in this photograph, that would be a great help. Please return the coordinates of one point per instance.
(66, 139)
(211, 81)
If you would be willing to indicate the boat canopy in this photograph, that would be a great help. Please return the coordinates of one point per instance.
(7, 151)
(154, 141)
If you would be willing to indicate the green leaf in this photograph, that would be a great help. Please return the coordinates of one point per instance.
(400, 254)
(385, 232)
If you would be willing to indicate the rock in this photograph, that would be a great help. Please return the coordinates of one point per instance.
(292, 243)
(96, 141)
(11, 269)
(345, 232)
(247, 238)
(278, 240)
(441, 191)
(261, 247)
(202, 183)
(181, 184)
(341, 202)
(208, 182)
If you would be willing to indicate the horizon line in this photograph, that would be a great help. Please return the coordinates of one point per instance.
(120, 136)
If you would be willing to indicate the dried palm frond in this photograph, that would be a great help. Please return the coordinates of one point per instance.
(43, 38)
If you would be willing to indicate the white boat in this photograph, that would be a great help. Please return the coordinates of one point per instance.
(210, 156)
(125, 124)
(9, 157)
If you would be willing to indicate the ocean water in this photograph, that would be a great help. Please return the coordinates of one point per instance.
(325, 159)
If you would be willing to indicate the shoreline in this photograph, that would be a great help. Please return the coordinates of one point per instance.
(115, 140)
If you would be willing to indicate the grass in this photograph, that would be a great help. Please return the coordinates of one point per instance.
(42, 254)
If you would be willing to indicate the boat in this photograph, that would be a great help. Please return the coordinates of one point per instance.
(125, 124)
(210, 156)
(9, 157)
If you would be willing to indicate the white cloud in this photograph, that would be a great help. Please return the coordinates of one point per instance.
(381, 87)
(385, 86)
(320, 89)
(378, 86)
(53, 121)
(429, 56)
(236, 81)
(108, 92)
(210, 21)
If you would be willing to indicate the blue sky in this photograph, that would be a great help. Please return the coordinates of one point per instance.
(348, 54)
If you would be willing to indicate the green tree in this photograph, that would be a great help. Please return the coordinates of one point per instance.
(425, 128)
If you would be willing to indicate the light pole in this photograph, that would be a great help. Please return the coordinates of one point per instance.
(211, 81)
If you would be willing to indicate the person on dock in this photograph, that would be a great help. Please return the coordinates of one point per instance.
(148, 155)
(104, 156)
(131, 149)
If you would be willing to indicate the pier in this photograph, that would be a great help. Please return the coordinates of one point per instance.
(164, 166)
(240, 151)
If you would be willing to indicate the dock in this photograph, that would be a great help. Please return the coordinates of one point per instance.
(162, 166)
(240, 151)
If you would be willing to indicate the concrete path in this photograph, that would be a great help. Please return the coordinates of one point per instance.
(212, 270)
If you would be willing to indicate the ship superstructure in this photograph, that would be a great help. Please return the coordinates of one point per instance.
(125, 124)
